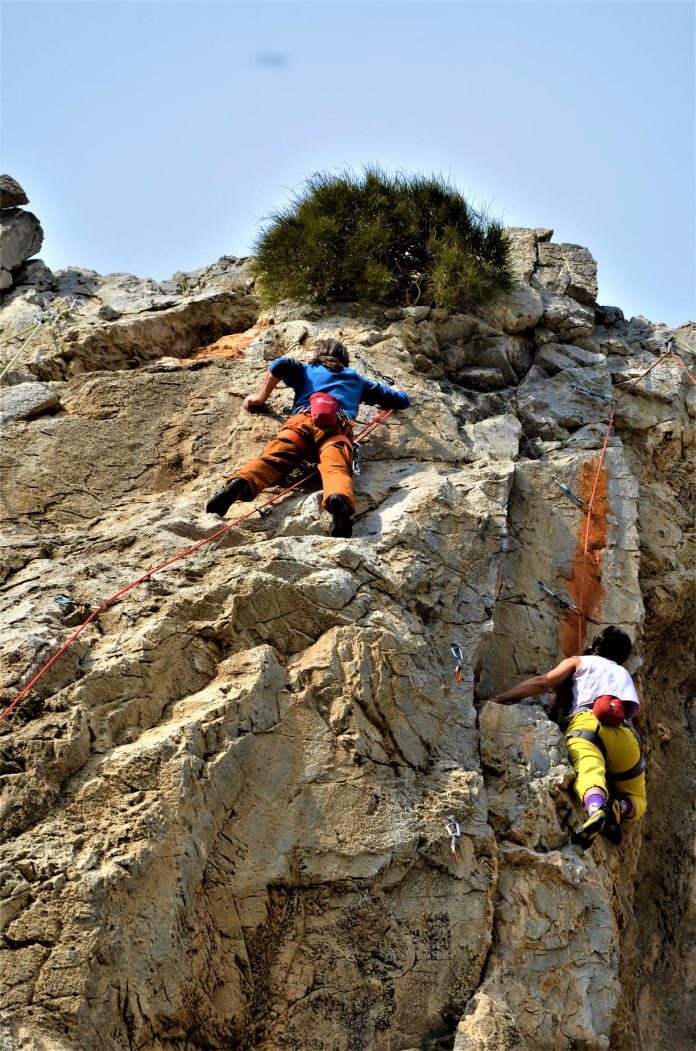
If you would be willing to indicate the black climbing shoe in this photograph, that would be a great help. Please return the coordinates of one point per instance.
(585, 835)
(611, 829)
(342, 524)
(222, 500)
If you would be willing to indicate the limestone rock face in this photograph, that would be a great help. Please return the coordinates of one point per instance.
(226, 808)
(21, 235)
(11, 193)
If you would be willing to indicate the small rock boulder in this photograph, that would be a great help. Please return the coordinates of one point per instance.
(21, 235)
(11, 193)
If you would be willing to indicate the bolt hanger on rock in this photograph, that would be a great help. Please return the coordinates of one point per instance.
(459, 658)
(453, 830)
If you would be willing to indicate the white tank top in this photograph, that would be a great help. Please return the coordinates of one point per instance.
(597, 676)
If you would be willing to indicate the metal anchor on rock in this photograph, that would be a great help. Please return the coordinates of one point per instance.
(453, 830)
(459, 658)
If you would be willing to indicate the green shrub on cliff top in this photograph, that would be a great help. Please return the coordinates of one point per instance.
(399, 239)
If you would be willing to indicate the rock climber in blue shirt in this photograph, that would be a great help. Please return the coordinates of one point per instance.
(327, 396)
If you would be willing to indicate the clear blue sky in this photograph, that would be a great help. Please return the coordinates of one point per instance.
(154, 136)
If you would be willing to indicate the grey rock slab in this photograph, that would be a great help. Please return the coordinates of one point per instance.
(486, 352)
(21, 236)
(497, 438)
(11, 193)
(554, 357)
(565, 316)
(33, 276)
(567, 269)
(27, 399)
(481, 379)
(517, 311)
(556, 399)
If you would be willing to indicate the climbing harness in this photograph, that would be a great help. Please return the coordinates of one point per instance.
(453, 830)
(594, 738)
(367, 430)
(459, 658)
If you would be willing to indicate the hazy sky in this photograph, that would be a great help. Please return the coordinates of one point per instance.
(154, 136)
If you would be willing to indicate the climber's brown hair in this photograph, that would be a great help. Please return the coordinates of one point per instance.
(332, 354)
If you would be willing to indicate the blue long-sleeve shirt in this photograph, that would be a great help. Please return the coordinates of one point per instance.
(347, 386)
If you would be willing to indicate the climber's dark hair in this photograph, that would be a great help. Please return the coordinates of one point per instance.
(331, 354)
(612, 643)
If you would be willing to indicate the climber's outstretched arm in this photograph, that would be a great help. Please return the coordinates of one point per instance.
(255, 401)
(537, 684)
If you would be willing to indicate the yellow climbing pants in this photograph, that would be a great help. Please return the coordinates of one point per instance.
(593, 770)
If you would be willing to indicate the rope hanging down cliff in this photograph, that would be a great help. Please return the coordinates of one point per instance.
(367, 430)
(589, 507)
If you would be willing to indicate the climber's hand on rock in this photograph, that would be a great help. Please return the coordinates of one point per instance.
(253, 402)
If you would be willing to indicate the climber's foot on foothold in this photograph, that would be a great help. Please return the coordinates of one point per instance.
(585, 835)
(342, 523)
(611, 829)
(222, 500)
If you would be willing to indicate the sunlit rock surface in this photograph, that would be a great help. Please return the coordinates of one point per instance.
(224, 807)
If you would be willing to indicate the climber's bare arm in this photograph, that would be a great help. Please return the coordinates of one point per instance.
(537, 684)
(255, 401)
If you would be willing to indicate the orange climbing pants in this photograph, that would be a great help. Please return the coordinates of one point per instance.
(300, 439)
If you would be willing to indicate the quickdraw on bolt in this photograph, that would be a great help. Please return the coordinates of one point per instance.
(453, 830)
(573, 496)
(559, 598)
(592, 393)
(71, 605)
(63, 600)
(459, 658)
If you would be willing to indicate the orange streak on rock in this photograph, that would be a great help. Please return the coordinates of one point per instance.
(230, 346)
(585, 584)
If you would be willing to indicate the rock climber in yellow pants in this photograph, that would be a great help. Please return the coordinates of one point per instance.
(601, 743)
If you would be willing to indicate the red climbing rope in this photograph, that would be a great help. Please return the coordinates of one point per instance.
(683, 366)
(583, 616)
(642, 376)
(364, 433)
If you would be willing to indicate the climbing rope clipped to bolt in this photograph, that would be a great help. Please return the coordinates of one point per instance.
(367, 430)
